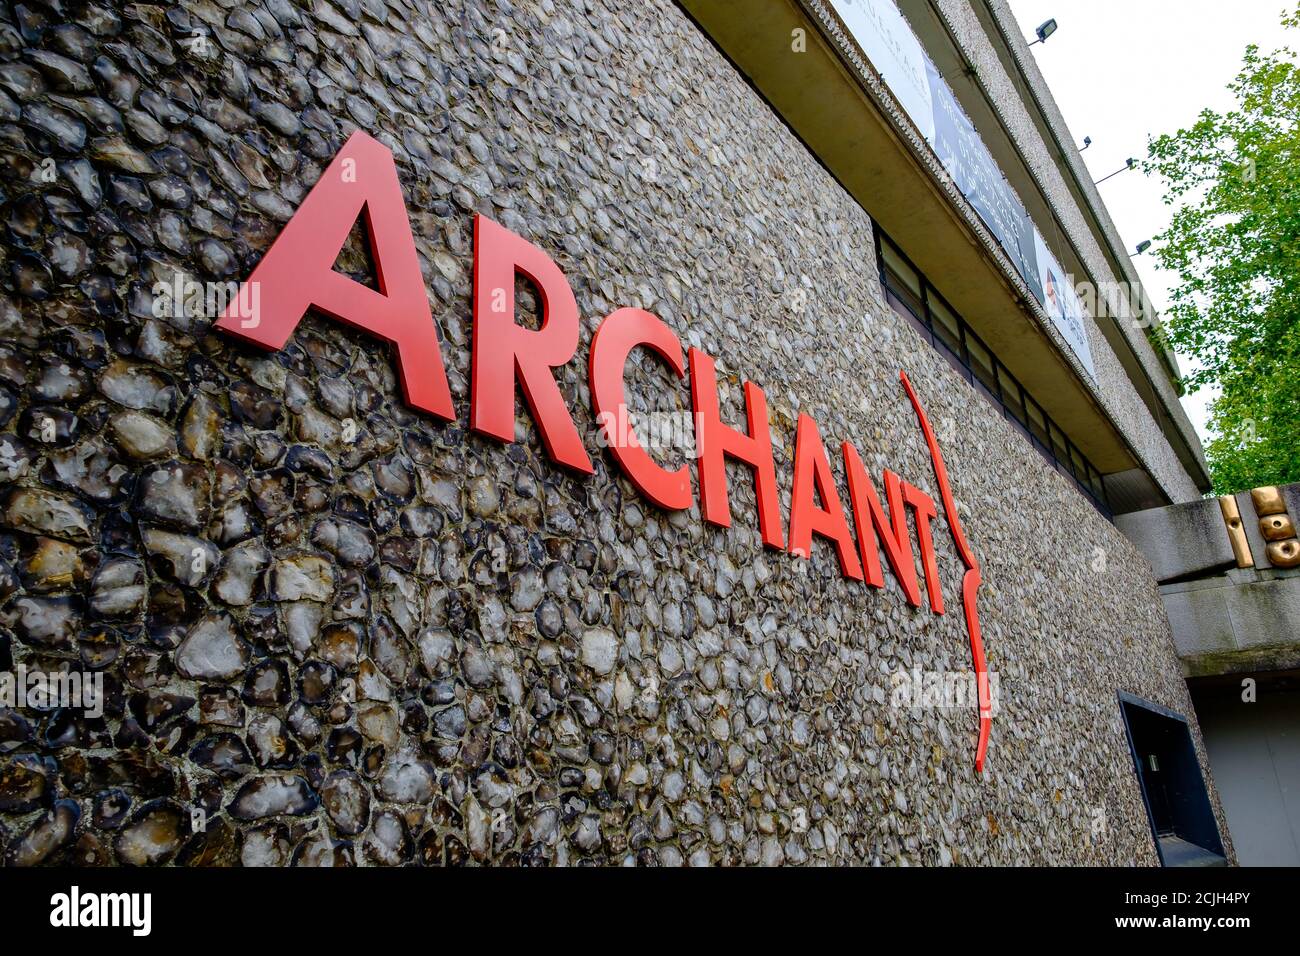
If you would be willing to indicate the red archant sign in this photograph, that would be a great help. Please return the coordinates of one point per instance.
(297, 274)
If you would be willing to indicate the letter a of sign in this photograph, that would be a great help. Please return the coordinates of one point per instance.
(297, 272)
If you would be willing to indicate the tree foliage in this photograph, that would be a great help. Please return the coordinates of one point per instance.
(1234, 242)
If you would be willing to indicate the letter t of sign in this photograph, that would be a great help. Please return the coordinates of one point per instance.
(922, 506)
(297, 273)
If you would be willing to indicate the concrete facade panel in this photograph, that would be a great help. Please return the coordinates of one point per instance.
(1201, 621)
(1181, 540)
(1255, 748)
(1266, 613)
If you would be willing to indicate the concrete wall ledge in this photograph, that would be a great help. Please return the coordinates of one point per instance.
(1236, 627)
(1181, 540)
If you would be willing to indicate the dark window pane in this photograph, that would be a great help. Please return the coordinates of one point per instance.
(1011, 394)
(981, 363)
(905, 294)
(906, 311)
(946, 326)
(894, 264)
(1080, 464)
(1037, 421)
(1021, 428)
(1060, 447)
(1098, 488)
(954, 358)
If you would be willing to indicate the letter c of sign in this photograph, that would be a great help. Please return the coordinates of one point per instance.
(621, 332)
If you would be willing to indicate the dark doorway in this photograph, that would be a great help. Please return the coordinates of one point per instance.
(1173, 789)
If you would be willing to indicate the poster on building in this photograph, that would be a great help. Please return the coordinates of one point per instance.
(1062, 304)
(893, 49)
(1030, 272)
(977, 176)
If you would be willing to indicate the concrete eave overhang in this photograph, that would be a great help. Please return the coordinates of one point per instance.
(843, 112)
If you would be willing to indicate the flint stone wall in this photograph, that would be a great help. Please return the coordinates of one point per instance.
(410, 644)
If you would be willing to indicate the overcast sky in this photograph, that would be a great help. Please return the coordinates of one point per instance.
(1122, 70)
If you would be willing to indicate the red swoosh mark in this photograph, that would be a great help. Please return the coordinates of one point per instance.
(970, 581)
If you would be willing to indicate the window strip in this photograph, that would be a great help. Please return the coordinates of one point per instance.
(948, 332)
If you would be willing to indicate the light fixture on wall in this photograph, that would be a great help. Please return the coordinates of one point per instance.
(1143, 246)
(1087, 141)
(1128, 164)
(1045, 30)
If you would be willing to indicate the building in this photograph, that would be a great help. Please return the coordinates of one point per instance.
(1229, 573)
(826, 572)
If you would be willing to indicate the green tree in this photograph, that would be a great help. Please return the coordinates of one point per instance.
(1235, 244)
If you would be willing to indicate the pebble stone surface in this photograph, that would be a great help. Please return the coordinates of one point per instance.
(352, 634)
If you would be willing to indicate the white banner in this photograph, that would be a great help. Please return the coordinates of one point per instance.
(895, 52)
(1062, 304)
